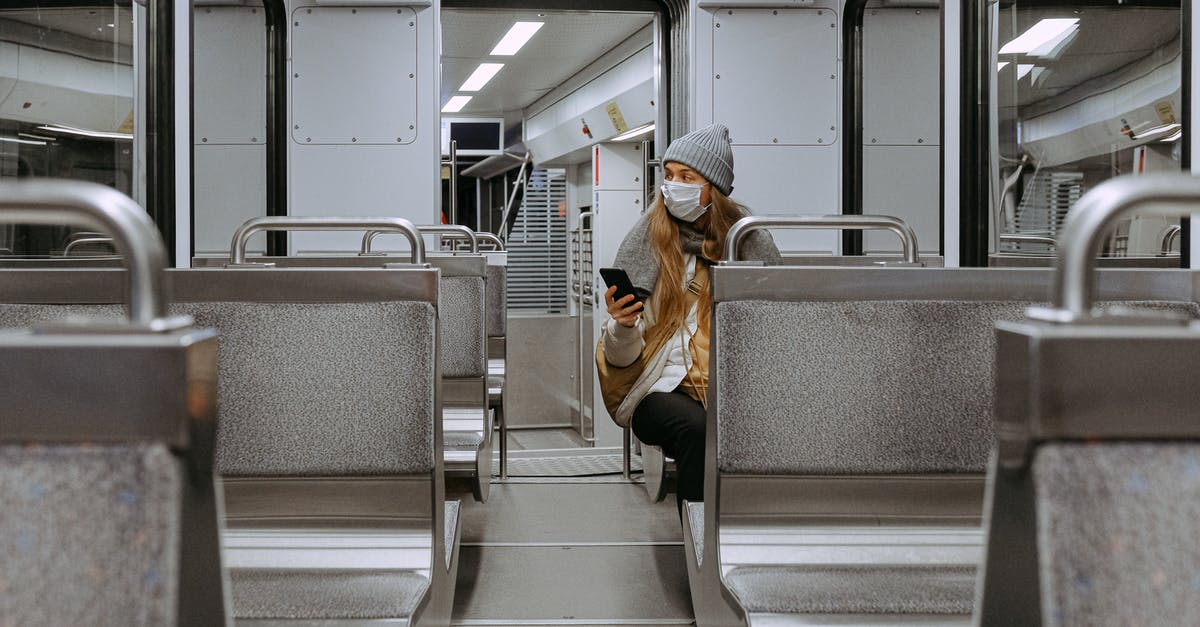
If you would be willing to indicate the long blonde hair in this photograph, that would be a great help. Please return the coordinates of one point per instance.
(669, 292)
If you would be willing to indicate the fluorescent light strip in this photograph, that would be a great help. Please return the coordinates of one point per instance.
(481, 76)
(1054, 48)
(1001, 65)
(32, 136)
(1039, 34)
(14, 140)
(630, 134)
(83, 132)
(515, 38)
(1023, 69)
(456, 104)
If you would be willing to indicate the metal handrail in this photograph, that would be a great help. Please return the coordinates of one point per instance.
(237, 249)
(135, 237)
(484, 236)
(446, 229)
(1028, 239)
(1166, 195)
(745, 226)
(83, 241)
(1171, 235)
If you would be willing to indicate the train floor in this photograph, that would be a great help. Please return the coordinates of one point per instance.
(580, 551)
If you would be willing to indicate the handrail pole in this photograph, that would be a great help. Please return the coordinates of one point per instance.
(135, 237)
(508, 206)
(453, 181)
(237, 249)
(85, 240)
(1166, 195)
(745, 226)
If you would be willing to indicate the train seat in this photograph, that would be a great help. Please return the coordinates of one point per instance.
(1095, 492)
(328, 443)
(850, 426)
(109, 510)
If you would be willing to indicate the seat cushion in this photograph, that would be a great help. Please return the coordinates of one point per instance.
(854, 589)
(325, 594)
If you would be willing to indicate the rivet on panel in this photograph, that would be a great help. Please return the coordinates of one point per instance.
(295, 23)
(353, 140)
(833, 76)
(204, 140)
(297, 127)
(254, 139)
(308, 139)
(820, 140)
(399, 140)
(309, 11)
(731, 12)
(411, 127)
(873, 140)
(834, 25)
(254, 11)
(774, 140)
(718, 76)
(354, 11)
(820, 13)
(920, 141)
(411, 75)
(774, 12)
(918, 11)
(412, 23)
(296, 75)
(718, 25)
(833, 128)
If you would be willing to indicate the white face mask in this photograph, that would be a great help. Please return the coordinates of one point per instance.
(683, 200)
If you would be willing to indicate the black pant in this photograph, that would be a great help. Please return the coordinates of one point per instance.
(675, 421)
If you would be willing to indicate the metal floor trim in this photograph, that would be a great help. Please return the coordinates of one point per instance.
(484, 622)
(545, 544)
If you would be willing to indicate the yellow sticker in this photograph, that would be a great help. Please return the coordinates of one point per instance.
(614, 114)
(127, 125)
(1165, 112)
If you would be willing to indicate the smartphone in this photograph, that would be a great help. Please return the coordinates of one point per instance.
(618, 277)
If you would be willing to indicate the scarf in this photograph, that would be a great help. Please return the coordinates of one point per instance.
(636, 257)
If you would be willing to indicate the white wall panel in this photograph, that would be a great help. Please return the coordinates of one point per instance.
(358, 178)
(903, 182)
(337, 98)
(774, 75)
(901, 76)
(230, 75)
(789, 180)
(230, 189)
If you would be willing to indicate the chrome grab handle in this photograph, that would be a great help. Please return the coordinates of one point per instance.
(1166, 195)
(237, 250)
(497, 245)
(447, 229)
(1028, 238)
(83, 241)
(1171, 235)
(745, 226)
(135, 237)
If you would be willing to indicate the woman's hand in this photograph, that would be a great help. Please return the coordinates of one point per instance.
(625, 314)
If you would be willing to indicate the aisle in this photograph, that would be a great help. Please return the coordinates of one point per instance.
(578, 554)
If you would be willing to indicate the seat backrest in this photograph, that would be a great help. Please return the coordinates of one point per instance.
(1095, 495)
(109, 513)
(855, 387)
(497, 300)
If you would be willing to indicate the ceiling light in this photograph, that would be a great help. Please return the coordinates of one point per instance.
(1001, 65)
(517, 36)
(31, 142)
(32, 136)
(1175, 137)
(1054, 48)
(1039, 34)
(83, 132)
(456, 104)
(636, 132)
(1023, 69)
(480, 76)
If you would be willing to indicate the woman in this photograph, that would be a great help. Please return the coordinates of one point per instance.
(667, 254)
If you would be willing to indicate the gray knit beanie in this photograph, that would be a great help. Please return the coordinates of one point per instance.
(707, 151)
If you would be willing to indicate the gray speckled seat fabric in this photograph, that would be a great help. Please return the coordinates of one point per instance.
(857, 386)
(497, 301)
(309, 389)
(89, 535)
(451, 522)
(855, 590)
(326, 594)
(462, 440)
(1118, 529)
(695, 514)
(461, 309)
